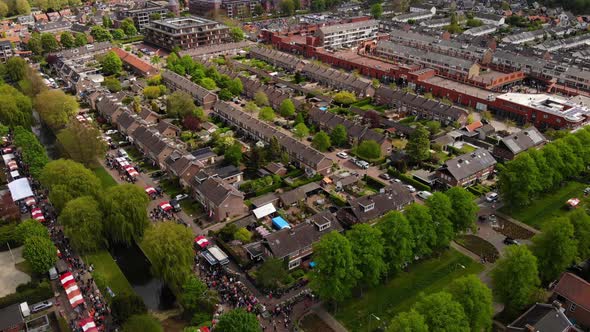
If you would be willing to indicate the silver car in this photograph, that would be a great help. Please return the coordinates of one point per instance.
(41, 306)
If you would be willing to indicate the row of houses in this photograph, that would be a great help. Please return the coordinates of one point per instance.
(338, 79)
(202, 96)
(276, 58)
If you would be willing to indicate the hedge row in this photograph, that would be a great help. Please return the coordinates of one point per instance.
(39, 293)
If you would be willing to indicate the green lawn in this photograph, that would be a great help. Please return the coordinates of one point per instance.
(107, 269)
(400, 293)
(105, 178)
(549, 206)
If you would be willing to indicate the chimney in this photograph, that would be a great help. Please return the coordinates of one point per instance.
(557, 305)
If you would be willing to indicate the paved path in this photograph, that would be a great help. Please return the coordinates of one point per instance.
(335, 325)
(10, 276)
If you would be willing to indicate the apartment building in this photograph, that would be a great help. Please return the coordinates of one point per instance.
(142, 12)
(231, 8)
(186, 33)
(347, 34)
(6, 51)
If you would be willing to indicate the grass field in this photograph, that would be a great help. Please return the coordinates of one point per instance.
(107, 269)
(549, 206)
(105, 178)
(400, 293)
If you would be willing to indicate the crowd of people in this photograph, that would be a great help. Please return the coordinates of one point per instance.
(112, 163)
(157, 214)
(94, 304)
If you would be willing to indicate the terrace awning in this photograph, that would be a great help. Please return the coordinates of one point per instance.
(30, 201)
(7, 157)
(72, 290)
(202, 241)
(36, 212)
(165, 206)
(573, 202)
(264, 211)
(150, 190)
(6, 150)
(131, 171)
(88, 325)
(12, 165)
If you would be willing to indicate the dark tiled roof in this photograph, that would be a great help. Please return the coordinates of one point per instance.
(542, 317)
(216, 190)
(523, 140)
(10, 317)
(393, 198)
(465, 165)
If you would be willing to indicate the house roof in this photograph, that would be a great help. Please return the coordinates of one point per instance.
(468, 164)
(542, 317)
(357, 131)
(10, 317)
(135, 62)
(523, 140)
(216, 190)
(393, 197)
(475, 125)
(186, 85)
(297, 194)
(574, 289)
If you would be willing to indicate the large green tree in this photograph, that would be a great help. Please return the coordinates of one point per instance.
(581, 222)
(410, 321)
(464, 209)
(56, 108)
(376, 10)
(82, 222)
(67, 180)
(418, 147)
(49, 42)
(339, 136)
(266, 114)
(180, 104)
(515, 278)
(335, 275)
(233, 154)
(441, 209)
(423, 228)
(128, 27)
(29, 228)
(126, 305)
(82, 142)
(126, 218)
(40, 253)
(344, 98)
(555, 248)
(100, 34)
(397, 236)
(143, 323)
(66, 39)
(15, 108)
(476, 299)
(442, 313)
(287, 108)
(16, 68)
(168, 245)
(321, 141)
(193, 292)
(301, 131)
(238, 320)
(111, 63)
(32, 151)
(367, 253)
(261, 99)
(369, 149)
(272, 273)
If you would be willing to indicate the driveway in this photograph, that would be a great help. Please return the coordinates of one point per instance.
(10, 277)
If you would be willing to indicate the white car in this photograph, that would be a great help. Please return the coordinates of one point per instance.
(411, 188)
(424, 194)
(342, 155)
(180, 197)
(111, 131)
(41, 306)
(492, 197)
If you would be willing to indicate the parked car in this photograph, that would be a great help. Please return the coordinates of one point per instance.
(156, 174)
(41, 306)
(385, 176)
(396, 180)
(342, 155)
(175, 205)
(180, 197)
(424, 194)
(411, 188)
(111, 132)
(510, 241)
(587, 191)
(492, 218)
(362, 164)
(492, 197)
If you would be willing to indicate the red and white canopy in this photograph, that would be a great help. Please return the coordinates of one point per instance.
(124, 164)
(131, 171)
(150, 190)
(66, 277)
(40, 218)
(202, 241)
(88, 325)
(72, 290)
(6, 150)
(12, 165)
(30, 201)
(36, 212)
(573, 202)
(165, 206)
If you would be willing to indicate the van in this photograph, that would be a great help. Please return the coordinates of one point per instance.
(53, 273)
(424, 194)
(122, 153)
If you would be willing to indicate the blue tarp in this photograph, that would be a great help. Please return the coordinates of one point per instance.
(312, 264)
(280, 223)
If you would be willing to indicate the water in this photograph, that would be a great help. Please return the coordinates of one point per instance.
(46, 137)
(136, 267)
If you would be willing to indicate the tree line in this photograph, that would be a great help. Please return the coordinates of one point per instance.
(537, 171)
(365, 254)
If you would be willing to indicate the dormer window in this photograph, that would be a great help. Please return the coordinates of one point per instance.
(368, 207)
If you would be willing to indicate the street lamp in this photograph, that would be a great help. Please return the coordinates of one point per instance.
(370, 318)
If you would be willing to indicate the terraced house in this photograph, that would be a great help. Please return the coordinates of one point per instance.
(276, 58)
(202, 96)
(338, 79)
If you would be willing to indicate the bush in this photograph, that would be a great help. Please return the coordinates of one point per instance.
(42, 292)
(200, 318)
(8, 237)
(127, 305)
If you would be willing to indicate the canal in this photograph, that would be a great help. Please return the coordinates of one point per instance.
(131, 260)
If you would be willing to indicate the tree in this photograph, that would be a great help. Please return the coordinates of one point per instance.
(82, 143)
(321, 141)
(515, 278)
(15, 109)
(22, 7)
(100, 34)
(339, 136)
(225, 94)
(238, 320)
(287, 108)
(581, 222)
(369, 149)
(344, 98)
(16, 68)
(335, 275)
(126, 219)
(266, 114)
(464, 210)
(169, 248)
(398, 240)
(376, 10)
(29, 228)
(118, 34)
(80, 39)
(32, 151)
(82, 221)
(486, 115)
(433, 127)
(111, 63)
(410, 321)
(34, 44)
(233, 155)
(144, 323)
(193, 291)
(258, 10)
(418, 147)
(127, 305)
(49, 43)
(519, 179)
(113, 84)
(191, 122)
(236, 34)
(272, 273)
(66, 39)
(40, 253)
(261, 99)
(128, 27)
(301, 131)
(67, 180)
(555, 248)
(442, 314)
(181, 104)
(476, 299)
(208, 83)
(367, 253)
(287, 7)
(422, 227)
(3, 10)
(441, 209)
(152, 92)
(107, 22)
(250, 107)
(473, 23)
(235, 86)
(56, 108)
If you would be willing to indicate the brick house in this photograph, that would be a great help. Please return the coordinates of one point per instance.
(220, 200)
(467, 169)
(574, 293)
(512, 145)
(203, 97)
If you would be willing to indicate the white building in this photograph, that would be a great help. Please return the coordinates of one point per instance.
(416, 16)
(348, 34)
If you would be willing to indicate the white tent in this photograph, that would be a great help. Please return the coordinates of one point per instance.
(20, 189)
(7, 157)
(264, 211)
(14, 174)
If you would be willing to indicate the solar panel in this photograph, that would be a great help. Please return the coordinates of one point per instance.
(535, 137)
(512, 145)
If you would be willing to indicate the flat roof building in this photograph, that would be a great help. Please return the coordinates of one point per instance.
(347, 34)
(186, 33)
